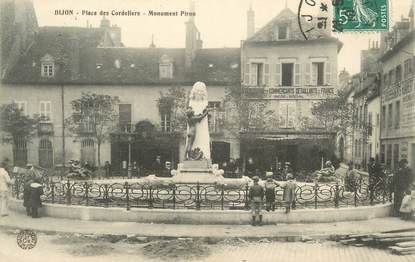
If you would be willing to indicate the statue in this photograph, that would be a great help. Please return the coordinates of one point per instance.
(198, 140)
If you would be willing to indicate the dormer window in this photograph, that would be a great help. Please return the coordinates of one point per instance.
(281, 32)
(166, 67)
(47, 66)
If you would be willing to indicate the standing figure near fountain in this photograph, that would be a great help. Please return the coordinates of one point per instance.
(197, 143)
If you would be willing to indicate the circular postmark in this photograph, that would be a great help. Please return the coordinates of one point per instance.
(26, 239)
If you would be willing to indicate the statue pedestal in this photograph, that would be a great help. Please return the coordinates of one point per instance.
(198, 171)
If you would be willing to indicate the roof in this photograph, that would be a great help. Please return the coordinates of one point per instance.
(265, 35)
(407, 39)
(119, 65)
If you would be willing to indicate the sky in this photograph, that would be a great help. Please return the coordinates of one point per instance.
(222, 23)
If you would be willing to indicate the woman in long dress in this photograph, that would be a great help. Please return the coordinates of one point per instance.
(364, 14)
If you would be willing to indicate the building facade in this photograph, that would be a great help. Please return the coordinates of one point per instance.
(55, 65)
(397, 95)
(287, 82)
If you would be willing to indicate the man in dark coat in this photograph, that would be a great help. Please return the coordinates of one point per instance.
(157, 166)
(36, 190)
(256, 195)
(26, 195)
(402, 181)
(250, 167)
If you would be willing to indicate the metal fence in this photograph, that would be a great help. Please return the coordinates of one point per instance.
(203, 196)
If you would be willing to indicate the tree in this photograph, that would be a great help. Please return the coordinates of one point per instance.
(174, 103)
(94, 115)
(243, 113)
(16, 125)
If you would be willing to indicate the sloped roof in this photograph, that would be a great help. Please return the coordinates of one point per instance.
(265, 35)
(120, 65)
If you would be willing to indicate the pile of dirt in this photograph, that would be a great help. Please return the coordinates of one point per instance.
(186, 249)
(90, 250)
(238, 242)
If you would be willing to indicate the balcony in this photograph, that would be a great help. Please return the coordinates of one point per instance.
(45, 128)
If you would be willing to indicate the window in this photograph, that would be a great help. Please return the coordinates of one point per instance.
(385, 80)
(397, 114)
(391, 77)
(47, 66)
(398, 74)
(166, 71)
(287, 74)
(45, 110)
(370, 149)
(165, 121)
(287, 114)
(390, 116)
(214, 116)
(165, 67)
(395, 156)
(377, 120)
(382, 154)
(389, 156)
(355, 147)
(22, 105)
(318, 73)
(383, 121)
(124, 117)
(48, 70)
(257, 74)
(407, 68)
(282, 32)
(369, 128)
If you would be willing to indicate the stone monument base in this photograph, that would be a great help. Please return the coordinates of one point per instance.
(198, 171)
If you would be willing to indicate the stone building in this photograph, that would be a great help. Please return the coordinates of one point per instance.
(286, 74)
(45, 68)
(397, 94)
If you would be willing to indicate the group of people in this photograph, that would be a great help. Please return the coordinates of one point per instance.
(403, 186)
(32, 191)
(258, 192)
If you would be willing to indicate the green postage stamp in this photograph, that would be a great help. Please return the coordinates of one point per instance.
(360, 15)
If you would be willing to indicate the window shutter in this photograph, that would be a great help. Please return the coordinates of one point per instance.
(246, 76)
(297, 74)
(266, 75)
(253, 76)
(278, 74)
(42, 109)
(282, 115)
(314, 73)
(291, 114)
(307, 74)
(327, 70)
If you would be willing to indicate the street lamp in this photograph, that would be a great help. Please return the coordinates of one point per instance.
(129, 167)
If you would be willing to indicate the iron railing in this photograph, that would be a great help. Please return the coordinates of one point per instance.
(203, 196)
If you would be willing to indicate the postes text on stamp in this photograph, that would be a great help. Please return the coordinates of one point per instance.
(360, 15)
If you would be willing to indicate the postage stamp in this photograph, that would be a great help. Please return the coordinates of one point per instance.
(360, 15)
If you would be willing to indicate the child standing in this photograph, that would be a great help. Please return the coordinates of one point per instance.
(289, 192)
(407, 209)
(270, 186)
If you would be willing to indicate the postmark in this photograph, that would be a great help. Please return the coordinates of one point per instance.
(26, 239)
(360, 15)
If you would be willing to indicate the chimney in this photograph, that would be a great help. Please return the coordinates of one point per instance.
(74, 58)
(250, 29)
(193, 40)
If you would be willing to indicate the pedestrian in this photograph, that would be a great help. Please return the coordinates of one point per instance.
(107, 167)
(36, 190)
(289, 193)
(406, 209)
(256, 195)
(250, 167)
(350, 180)
(402, 181)
(157, 166)
(26, 195)
(270, 186)
(5, 183)
(287, 170)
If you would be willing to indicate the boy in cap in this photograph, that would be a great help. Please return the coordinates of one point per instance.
(270, 186)
(256, 195)
(289, 192)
